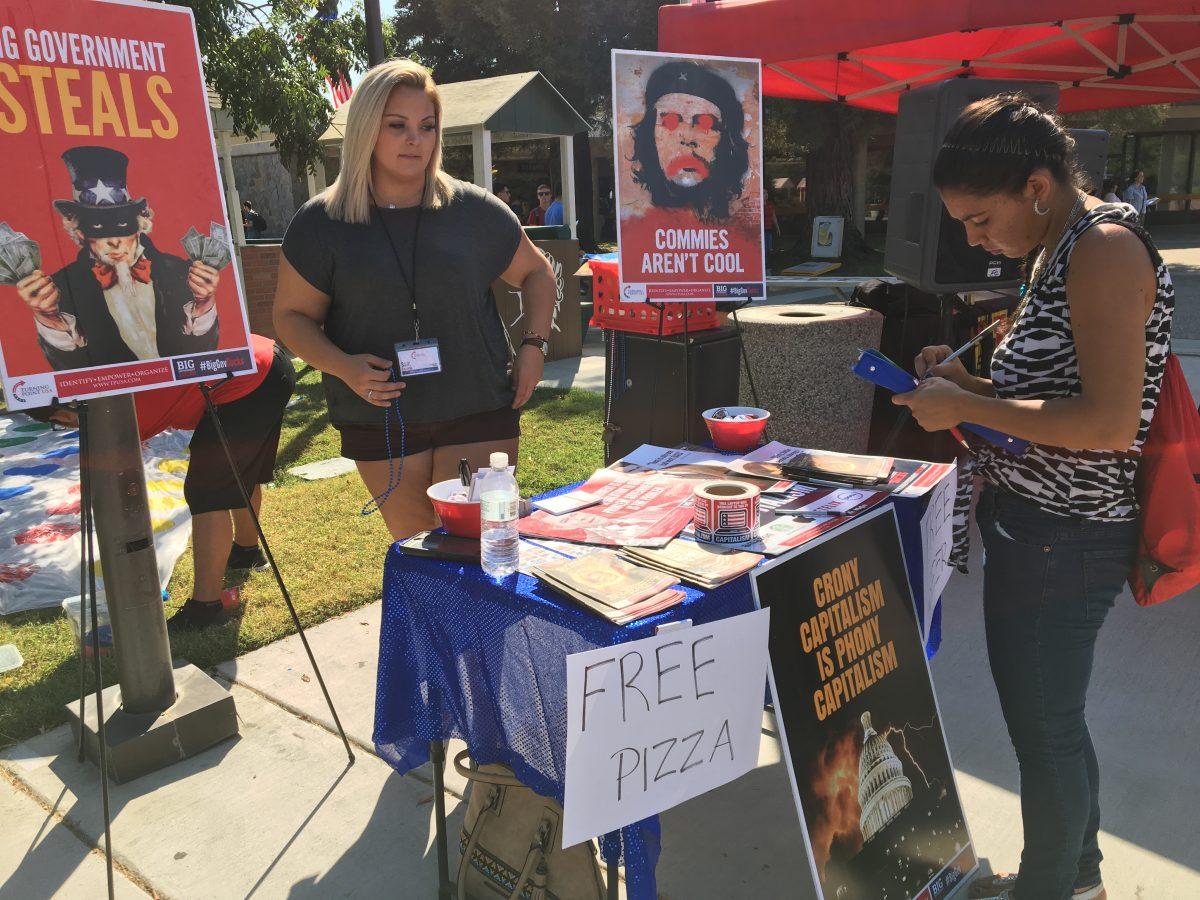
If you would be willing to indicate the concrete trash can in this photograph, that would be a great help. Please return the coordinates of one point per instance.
(800, 356)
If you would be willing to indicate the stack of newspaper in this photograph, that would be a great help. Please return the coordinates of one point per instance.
(703, 565)
(611, 586)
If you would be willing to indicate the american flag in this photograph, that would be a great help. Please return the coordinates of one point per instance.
(339, 90)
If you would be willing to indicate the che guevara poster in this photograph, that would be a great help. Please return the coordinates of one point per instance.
(870, 770)
(687, 135)
(116, 259)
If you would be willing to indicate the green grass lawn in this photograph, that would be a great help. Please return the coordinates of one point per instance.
(330, 555)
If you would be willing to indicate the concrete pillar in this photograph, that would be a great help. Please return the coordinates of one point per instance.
(232, 201)
(860, 185)
(481, 157)
(566, 157)
(127, 556)
(594, 187)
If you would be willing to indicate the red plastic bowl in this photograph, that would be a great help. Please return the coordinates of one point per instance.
(458, 517)
(734, 436)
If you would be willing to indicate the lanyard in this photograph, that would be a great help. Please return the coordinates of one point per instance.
(410, 283)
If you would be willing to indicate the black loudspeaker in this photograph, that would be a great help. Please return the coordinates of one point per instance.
(653, 386)
(1091, 149)
(925, 246)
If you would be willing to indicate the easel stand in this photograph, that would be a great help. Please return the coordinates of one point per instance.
(687, 369)
(158, 712)
(745, 356)
(287, 597)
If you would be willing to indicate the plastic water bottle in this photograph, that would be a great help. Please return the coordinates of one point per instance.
(499, 500)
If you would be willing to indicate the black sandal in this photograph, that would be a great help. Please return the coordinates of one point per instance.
(195, 615)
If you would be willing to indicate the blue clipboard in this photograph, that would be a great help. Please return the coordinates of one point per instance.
(876, 368)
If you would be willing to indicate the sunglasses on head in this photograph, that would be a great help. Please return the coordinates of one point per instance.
(704, 122)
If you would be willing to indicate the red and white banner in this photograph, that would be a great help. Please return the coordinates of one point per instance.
(339, 90)
(117, 266)
(687, 135)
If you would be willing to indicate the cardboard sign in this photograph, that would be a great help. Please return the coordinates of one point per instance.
(655, 722)
(937, 540)
(862, 736)
(687, 135)
(116, 260)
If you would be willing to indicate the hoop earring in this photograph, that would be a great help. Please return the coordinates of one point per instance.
(1038, 210)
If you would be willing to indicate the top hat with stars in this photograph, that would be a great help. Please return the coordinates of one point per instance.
(101, 198)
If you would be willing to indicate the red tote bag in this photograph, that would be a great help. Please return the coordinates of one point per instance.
(1168, 489)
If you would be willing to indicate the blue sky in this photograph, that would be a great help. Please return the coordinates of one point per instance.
(387, 8)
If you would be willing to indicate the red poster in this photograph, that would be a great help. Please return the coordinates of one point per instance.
(117, 265)
(687, 133)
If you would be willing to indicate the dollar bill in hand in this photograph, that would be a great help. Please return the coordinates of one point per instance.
(20, 257)
(193, 244)
(217, 252)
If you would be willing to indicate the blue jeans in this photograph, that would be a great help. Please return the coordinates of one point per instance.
(1048, 583)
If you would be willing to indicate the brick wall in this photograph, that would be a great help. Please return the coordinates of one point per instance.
(260, 269)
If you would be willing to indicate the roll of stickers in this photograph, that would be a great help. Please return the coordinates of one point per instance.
(726, 512)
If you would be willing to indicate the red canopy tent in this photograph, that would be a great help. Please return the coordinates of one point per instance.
(1102, 53)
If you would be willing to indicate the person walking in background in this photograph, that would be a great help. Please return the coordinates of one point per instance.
(500, 189)
(537, 215)
(1109, 192)
(253, 223)
(771, 228)
(1137, 196)
(1078, 375)
(554, 212)
(395, 250)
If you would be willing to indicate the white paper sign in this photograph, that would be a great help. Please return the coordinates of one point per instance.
(937, 539)
(655, 722)
(649, 458)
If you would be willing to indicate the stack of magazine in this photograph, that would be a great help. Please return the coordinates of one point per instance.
(700, 564)
(612, 587)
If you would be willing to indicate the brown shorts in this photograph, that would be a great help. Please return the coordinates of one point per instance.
(369, 443)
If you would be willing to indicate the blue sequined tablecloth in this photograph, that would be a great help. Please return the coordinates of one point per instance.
(463, 656)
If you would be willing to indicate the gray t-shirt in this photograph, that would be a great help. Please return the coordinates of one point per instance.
(462, 248)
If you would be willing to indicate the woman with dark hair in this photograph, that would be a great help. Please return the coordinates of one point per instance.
(1078, 374)
(689, 147)
(1137, 196)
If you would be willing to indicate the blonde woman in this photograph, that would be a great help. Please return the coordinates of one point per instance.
(397, 251)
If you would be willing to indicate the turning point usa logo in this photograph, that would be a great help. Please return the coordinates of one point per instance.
(27, 391)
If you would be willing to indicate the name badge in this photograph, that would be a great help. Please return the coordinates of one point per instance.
(418, 357)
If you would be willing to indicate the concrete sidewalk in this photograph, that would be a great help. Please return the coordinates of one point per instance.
(277, 812)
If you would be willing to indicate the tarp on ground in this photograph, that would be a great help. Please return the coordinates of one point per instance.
(39, 510)
(1102, 53)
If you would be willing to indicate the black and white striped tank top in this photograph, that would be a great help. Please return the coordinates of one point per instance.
(1036, 361)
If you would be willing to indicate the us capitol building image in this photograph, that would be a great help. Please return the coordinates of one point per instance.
(883, 789)
(908, 835)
